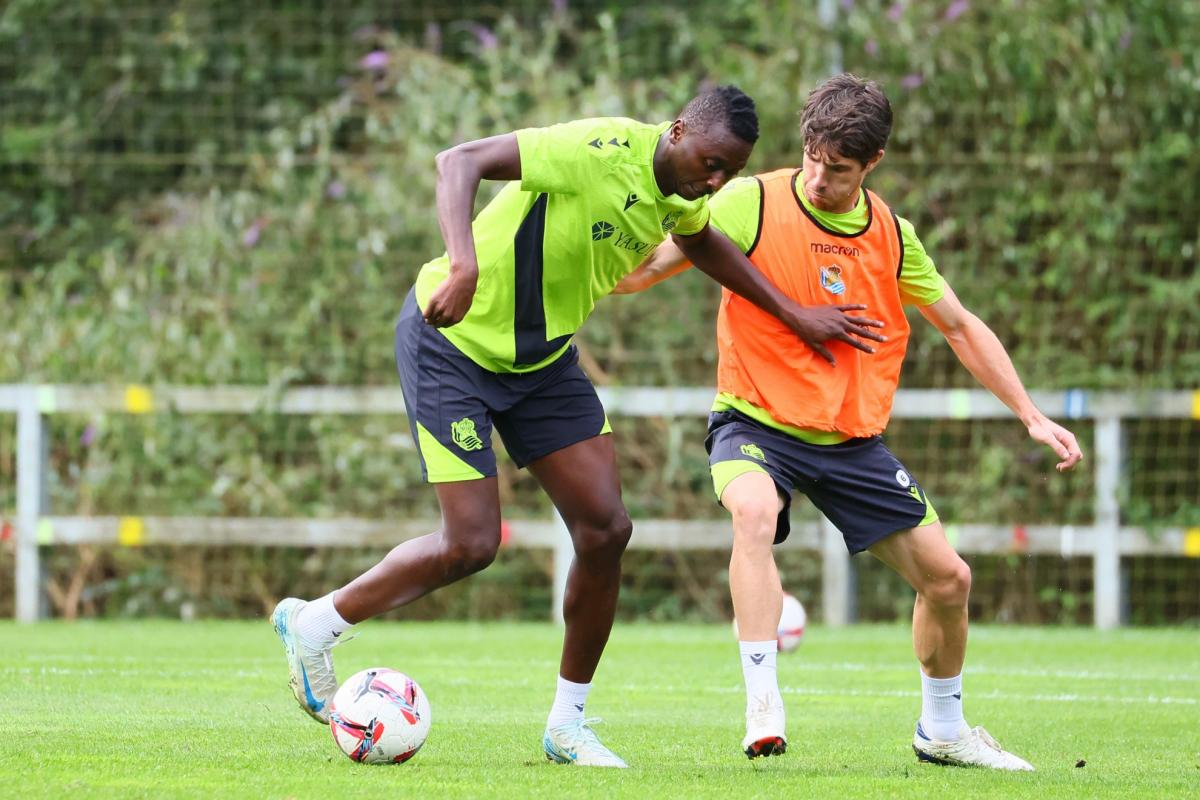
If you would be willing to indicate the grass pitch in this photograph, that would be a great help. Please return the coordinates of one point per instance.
(161, 709)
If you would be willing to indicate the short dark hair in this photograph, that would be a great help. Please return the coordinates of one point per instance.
(847, 115)
(725, 105)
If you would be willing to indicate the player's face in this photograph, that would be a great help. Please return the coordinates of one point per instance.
(832, 181)
(704, 161)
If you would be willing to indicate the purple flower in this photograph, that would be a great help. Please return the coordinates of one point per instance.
(487, 39)
(88, 436)
(250, 237)
(336, 190)
(1126, 38)
(912, 80)
(559, 6)
(872, 47)
(847, 5)
(896, 12)
(375, 60)
(956, 10)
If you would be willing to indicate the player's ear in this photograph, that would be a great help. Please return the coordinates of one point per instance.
(678, 128)
(874, 162)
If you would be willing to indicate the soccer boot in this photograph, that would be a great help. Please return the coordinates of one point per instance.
(765, 728)
(976, 748)
(576, 743)
(312, 679)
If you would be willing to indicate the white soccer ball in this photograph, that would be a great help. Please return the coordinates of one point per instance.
(792, 620)
(380, 716)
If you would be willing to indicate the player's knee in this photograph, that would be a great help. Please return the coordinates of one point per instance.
(604, 540)
(469, 555)
(952, 588)
(754, 521)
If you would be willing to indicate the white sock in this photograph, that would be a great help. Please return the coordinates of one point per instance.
(758, 668)
(568, 702)
(320, 623)
(941, 707)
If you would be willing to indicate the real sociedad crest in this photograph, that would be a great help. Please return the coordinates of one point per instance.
(831, 279)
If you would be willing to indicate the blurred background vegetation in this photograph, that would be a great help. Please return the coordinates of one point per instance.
(225, 192)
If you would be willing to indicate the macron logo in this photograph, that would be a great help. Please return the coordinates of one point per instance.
(757, 658)
(630, 200)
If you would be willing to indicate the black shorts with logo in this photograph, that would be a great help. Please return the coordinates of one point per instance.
(858, 485)
(452, 404)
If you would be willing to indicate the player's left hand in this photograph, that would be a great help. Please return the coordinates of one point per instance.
(1058, 439)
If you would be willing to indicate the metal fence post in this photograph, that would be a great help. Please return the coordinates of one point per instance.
(837, 586)
(1106, 563)
(31, 474)
(564, 554)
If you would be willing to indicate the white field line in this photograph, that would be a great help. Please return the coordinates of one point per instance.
(909, 693)
(788, 662)
(473, 681)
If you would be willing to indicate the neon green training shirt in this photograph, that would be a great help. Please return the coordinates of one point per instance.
(586, 212)
(735, 212)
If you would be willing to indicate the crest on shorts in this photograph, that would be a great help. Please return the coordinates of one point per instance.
(831, 279)
(754, 451)
(463, 434)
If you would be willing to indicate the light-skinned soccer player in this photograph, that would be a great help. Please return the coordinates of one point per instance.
(484, 339)
(786, 419)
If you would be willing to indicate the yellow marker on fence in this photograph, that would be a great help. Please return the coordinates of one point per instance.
(45, 532)
(131, 531)
(1196, 404)
(1191, 543)
(138, 399)
(47, 402)
(951, 535)
(960, 404)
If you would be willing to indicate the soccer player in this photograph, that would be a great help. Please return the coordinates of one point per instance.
(786, 418)
(484, 339)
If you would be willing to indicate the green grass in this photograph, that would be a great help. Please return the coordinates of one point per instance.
(160, 709)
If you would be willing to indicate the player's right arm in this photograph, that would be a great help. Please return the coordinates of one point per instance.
(459, 172)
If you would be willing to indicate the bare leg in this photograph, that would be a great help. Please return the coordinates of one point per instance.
(582, 482)
(942, 581)
(753, 501)
(466, 543)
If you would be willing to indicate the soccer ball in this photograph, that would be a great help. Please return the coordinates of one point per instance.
(791, 624)
(380, 716)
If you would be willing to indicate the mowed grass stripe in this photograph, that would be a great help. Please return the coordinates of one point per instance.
(161, 709)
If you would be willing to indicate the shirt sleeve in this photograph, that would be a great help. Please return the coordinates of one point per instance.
(735, 211)
(920, 282)
(693, 222)
(555, 159)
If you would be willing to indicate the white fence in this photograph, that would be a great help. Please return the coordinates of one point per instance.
(1105, 540)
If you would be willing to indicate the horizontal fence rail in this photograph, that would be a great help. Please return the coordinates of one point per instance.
(1105, 541)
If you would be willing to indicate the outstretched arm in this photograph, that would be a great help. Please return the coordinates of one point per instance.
(459, 172)
(664, 262)
(719, 258)
(985, 357)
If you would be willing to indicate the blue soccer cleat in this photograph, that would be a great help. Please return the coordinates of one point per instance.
(576, 743)
(312, 678)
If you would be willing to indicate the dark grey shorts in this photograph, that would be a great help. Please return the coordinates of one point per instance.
(453, 403)
(858, 485)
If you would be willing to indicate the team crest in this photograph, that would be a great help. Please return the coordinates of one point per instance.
(464, 435)
(669, 221)
(754, 451)
(831, 279)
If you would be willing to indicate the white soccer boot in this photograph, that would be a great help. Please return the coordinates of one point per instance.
(312, 678)
(765, 722)
(976, 748)
(577, 743)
